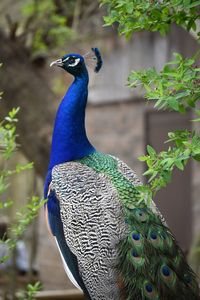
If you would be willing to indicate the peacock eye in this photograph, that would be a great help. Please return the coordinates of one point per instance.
(71, 60)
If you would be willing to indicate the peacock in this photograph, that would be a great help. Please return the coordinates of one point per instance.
(112, 245)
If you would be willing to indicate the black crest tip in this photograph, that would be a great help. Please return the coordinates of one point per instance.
(98, 58)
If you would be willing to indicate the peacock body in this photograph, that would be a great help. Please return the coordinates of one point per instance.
(112, 246)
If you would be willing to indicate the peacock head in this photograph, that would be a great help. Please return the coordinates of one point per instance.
(72, 63)
(75, 63)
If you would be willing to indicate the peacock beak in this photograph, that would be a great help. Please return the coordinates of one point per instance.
(57, 63)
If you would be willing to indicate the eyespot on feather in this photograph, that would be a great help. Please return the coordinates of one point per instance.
(156, 239)
(149, 291)
(166, 271)
(137, 260)
(187, 278)
(135, 236)
(149, 288)
(137, 240)
(168, 276)
(134, 253)
(153, 235)
(141, 214)
(190, 281)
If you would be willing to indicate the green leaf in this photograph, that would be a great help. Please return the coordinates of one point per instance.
(196, 120)
(197, 157)
(179, 165)
(148, 172)
(129, 7)
(142, 158)
(182, 94)
(194, 4)
(173, 103)
(150, 150)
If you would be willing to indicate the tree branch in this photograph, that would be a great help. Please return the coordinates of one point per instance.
(13, 26)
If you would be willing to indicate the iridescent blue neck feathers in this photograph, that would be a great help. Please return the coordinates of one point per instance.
(69, 140)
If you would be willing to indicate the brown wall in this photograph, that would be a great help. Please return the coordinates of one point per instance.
(118, 129)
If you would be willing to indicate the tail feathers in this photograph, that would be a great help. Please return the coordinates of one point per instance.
(151, 264)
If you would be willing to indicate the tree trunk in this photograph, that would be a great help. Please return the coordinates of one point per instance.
(24, 86)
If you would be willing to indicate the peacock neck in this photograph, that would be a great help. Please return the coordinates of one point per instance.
(69, 140)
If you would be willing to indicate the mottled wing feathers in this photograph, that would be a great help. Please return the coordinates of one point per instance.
(93, 224)
(55, 225)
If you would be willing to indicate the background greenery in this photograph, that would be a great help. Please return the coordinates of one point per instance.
(8, 146)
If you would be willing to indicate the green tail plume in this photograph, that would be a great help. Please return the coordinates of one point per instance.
(151, 253)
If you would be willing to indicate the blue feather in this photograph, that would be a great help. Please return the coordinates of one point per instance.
(99, 59)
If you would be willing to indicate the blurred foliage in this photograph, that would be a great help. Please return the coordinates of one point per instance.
(46, 26)
(24, 217)
(58, 86)
(160, 165)
(176, 87)
(153, 15)
(8, 134)
(8, 146)
(30, 292)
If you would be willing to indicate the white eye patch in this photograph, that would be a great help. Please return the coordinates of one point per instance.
(75, 63)
(65, 59)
